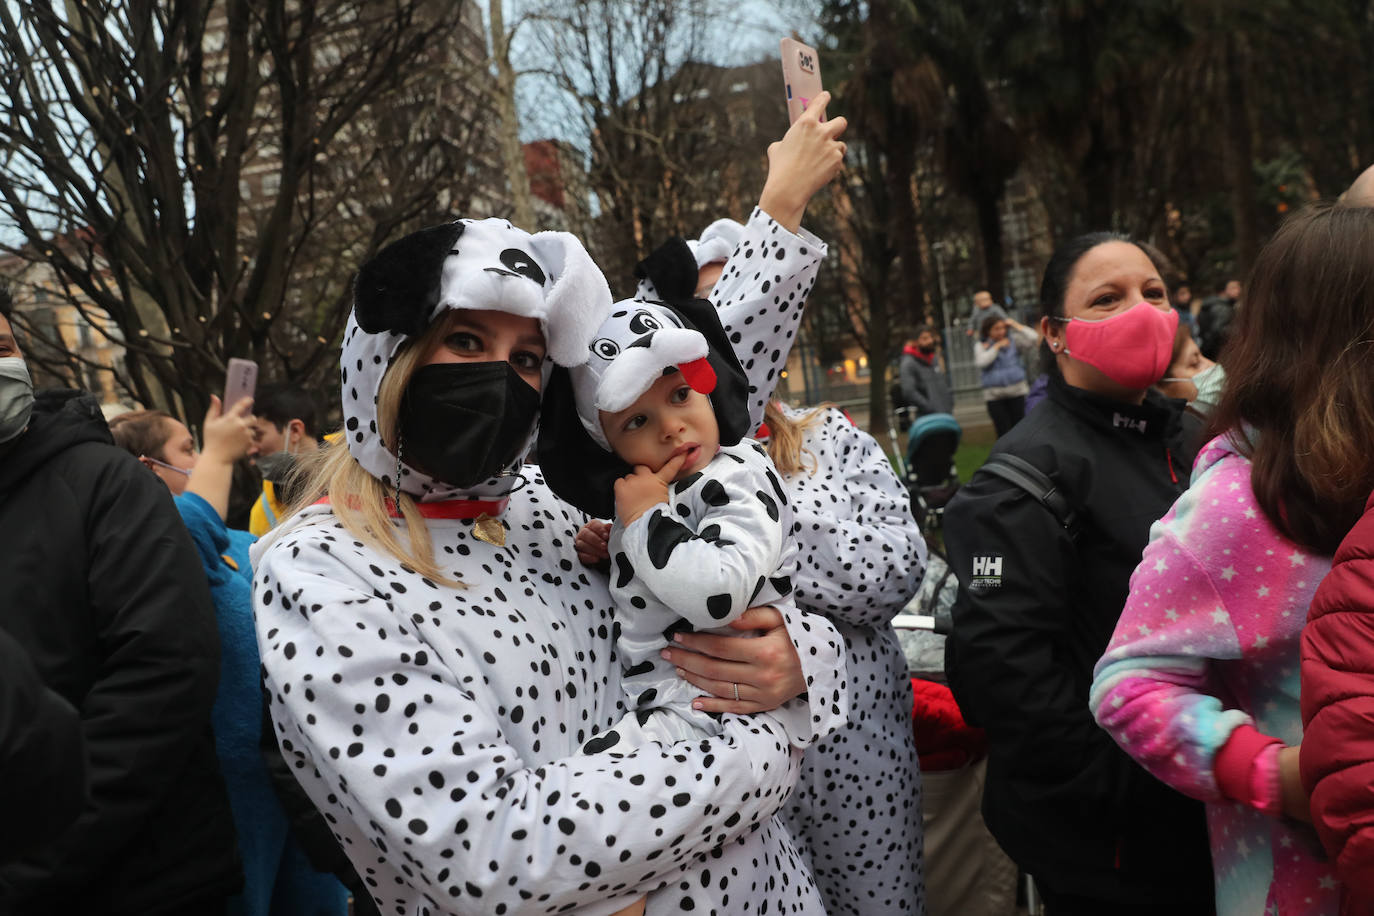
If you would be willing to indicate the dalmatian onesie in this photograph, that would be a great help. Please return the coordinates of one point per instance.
(439, 729)
(856, 812)
(719, 545)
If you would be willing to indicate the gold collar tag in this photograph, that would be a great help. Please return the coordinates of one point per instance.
(486, 528)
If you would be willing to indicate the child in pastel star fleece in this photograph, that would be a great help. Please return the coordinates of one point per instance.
(1200, 682)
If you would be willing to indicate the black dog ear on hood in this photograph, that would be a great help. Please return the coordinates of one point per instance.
(576, 468)
(399, 288)
(730, 399)
(672, 269)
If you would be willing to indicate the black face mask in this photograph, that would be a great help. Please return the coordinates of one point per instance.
(927, 350)
(464, 422)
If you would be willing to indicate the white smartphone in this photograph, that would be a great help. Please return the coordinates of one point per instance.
(801, 76)
(240, 381)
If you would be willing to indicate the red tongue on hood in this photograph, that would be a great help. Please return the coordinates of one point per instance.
(699, 375)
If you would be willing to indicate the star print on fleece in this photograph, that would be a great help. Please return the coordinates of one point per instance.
(1200, 682)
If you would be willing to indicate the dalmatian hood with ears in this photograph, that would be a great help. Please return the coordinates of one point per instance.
(633, 348)
(629, 352)
(718, 241)
(466, 264)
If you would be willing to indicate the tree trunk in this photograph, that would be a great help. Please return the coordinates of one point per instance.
(1239, 159)
(879, 343)
(906, 241)
(989, 210)
(1097, 183)
(512, 155)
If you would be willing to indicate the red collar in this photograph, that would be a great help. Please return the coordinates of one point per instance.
(466, 509)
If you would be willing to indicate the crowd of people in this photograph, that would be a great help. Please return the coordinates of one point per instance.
(571, 615)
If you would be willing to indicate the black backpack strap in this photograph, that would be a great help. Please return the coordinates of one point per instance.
(1021, 473)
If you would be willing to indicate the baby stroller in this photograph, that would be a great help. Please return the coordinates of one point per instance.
(929, 470)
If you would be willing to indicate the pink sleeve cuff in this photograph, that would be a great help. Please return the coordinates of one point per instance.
(1247, 769)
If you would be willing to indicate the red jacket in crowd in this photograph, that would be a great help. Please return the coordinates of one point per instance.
(1337, 760)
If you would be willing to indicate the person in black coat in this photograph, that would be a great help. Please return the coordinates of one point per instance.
(1038, 601)
(1214, 320)
(42, 762)
(112, 608)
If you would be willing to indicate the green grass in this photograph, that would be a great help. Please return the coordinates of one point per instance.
(973, 450)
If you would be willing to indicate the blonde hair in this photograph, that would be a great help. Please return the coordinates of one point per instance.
(359, 499)
(785, 437)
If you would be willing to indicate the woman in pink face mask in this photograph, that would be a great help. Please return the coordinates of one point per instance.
(1040, 597)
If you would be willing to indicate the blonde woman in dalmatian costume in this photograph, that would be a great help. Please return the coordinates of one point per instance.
(856, 812)
(434, 678)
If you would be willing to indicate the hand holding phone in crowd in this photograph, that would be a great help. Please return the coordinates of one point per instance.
(805, 160)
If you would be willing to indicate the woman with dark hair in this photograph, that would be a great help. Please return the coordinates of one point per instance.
(1201, 681)
(1039, 598)
(1192, 377)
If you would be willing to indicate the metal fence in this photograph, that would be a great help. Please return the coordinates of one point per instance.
(823, 384)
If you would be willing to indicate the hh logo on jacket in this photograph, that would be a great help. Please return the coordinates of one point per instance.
(1123, 422)
(987, 572)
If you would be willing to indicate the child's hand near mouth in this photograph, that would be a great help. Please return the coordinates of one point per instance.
(639, 492)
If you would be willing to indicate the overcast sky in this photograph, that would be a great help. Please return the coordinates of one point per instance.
(748, 32)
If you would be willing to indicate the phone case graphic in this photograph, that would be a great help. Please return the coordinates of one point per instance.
(801, 76)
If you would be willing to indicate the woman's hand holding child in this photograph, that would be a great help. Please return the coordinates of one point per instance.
(766, 668)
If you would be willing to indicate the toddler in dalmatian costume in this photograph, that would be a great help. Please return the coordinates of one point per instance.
(860, 559)
(702, 524)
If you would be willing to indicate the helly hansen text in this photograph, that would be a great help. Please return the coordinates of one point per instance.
(987, 572)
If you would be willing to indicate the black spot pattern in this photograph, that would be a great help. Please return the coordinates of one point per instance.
(444, 745)
(713, 494)
(857, 810)
(760, 295)
(686, 582)
(664, 535)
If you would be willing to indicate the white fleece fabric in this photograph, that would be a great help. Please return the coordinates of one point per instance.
(440, 730)
(718, 546)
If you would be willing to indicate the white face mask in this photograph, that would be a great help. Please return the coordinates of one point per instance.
(1209, 383)
(16, 397)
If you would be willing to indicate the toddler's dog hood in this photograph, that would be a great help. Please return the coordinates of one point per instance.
(628, 353)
